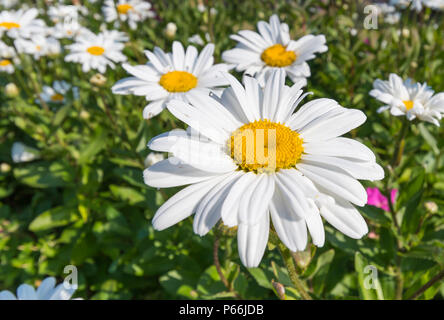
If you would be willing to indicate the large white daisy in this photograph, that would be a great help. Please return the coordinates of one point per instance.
(131, 11)
(177, 75)
(259, 53)
(47, 290)
(96, 51)
(21, 23)
(254, 162)
(414, 100)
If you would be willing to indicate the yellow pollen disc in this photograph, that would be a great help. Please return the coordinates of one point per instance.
(4, 63)
(9, 25)
(278, 56)
(95, 50)
(178, 81)
(124, 8)
(265, 146)
(57, 97)
(408, 104)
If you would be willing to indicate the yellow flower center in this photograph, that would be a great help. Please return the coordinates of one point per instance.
(408, 104)
(124, 8)
(57, 97)
(178, 81)
(278, 56)
(9, 25)
(265, 146)
(4, 63)
(95, 50)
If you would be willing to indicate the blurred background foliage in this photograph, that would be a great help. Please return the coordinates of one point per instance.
(83, 202)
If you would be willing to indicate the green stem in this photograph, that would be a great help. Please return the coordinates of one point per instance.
(291, 268)
(400, 143)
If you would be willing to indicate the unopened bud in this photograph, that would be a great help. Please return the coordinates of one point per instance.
(11, 90)
(5, 167)
(280, 289)
(84, 115)
(431, 206)
(98, 80)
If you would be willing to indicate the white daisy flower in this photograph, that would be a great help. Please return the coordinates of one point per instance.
(8, 3)
(6, 65)
(47, 290)
(197, 39)
(21, 23)
(414, 100)
(310, 171)
(176, 75)
(434, 4)
(58, 92)
(38, 46)
(96, 51)
(131, 11)
(22, 153)
(59, 13)
(8, 58)
(414, 4)
(259, 53)
(69, 28)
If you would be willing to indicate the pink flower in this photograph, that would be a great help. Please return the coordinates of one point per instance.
(377, 199)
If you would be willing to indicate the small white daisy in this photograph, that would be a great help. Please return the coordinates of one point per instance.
(434, 4)
(7, 58)
(259, 53)
(153, 158)
(176, 75)
(59, 12)
(21, 23)
(7, 66)
(96, 51)
(310, 171)
(38, 46)
(131, 11)
(414, 100)
(68, 28)
(58, 92)
(47, 290)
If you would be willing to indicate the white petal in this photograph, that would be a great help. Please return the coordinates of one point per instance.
(252, 240)
(26, 292)
(45, 289)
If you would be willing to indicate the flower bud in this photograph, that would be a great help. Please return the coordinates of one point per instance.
(170, 30)
(98, 80)
(11, 90)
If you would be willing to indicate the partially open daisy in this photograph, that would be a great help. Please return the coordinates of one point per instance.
(176, 75)
(259, 53)
(38, 46)
(131, 11)
(7, 58)
(252, 159)
(21, 23)
(96, 51)
(58, 92)
(414, 100)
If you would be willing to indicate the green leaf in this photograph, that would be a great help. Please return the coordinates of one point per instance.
(45, 174)
(93, 147)
(54, 217)
(365, 281)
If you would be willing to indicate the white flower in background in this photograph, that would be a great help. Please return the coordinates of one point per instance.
(152, 158)
(176, 75)
(58, 92)
(59, 13)
(6, 65)
(21, 23)
(434, 4)
(7, 58)
(414, 100)
(96, 51)
(22, 153)
(47, 290)
(197, 39)
(131, 11)
(69, 28)
(414, 4)
(391, 15)
(115, 35)
(170, 30)
(259, 53)
(8, 3)
(310, 170)
(38, 46)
